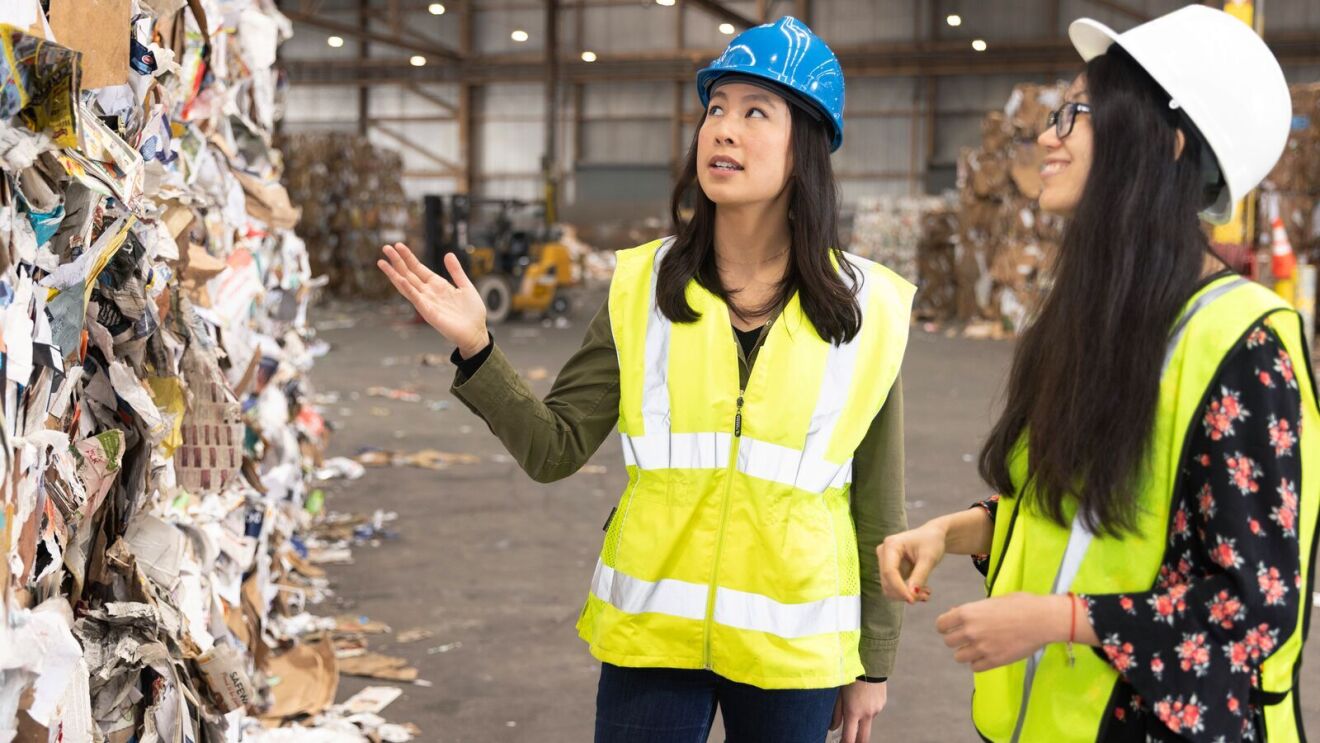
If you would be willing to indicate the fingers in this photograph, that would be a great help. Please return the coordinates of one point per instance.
(850, 725)
(969, 654)
(401, 268)
(949, 620)
(891, 575)
(864, 730)
(837, 719)
(413, 264)
(916, 583)
(957, 638)
(402, 284)
(455, 267)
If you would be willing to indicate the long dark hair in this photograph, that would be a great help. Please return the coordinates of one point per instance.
(829, 302)
(1085, 378)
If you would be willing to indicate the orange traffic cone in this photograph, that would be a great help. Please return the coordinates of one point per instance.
(1284, 263)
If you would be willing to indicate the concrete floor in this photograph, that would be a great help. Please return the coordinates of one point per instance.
(499, 565)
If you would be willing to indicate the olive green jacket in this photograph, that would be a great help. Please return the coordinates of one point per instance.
(553, 438)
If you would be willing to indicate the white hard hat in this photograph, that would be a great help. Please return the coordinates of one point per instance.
(1224, 78)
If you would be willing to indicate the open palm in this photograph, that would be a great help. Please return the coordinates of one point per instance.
(455, 309)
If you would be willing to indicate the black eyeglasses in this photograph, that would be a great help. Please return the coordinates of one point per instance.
(1063, 119)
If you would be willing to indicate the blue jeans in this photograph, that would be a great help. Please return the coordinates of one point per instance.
(667, 705)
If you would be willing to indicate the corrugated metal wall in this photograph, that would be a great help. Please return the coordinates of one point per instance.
(629, 123)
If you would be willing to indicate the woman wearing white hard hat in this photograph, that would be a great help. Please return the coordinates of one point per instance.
(751, 368)
(1149, 557)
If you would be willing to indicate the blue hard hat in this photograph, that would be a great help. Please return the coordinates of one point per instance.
(787, 53)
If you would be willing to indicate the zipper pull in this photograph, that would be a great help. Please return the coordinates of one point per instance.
(737, 418)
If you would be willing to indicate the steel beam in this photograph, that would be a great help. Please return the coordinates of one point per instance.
(941, 59)
(724, 12)
(1123, 9)
(363, 33)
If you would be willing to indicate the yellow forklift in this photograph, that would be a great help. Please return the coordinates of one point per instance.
(509, 250)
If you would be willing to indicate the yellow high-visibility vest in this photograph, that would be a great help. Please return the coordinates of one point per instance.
(733, 547)
(1043, 698)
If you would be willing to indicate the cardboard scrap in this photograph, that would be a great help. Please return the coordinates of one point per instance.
(373, 699)
(378, 666)
(224, 669)
(360, 624)
(83, 25)
(308, 677)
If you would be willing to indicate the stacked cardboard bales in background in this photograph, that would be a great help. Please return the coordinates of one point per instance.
(351, 194)
(1006, 242)
(888, 230)
(937, 263)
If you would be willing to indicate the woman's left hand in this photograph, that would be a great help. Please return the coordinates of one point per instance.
(998, 631)
(858, 705)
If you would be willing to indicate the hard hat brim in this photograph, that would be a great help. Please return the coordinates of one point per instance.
(709, 78)
(1091, 38)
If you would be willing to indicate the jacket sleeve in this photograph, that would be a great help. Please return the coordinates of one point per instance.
(551, 438)
(878, 511)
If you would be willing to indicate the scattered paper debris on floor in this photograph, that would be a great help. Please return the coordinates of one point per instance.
(400, 395)
(438, 649)
(340, 467)
(413, 635)
(360, 624)
(373, 699)
(432, 459)
(378, 666)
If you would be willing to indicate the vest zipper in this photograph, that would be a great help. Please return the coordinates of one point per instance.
(724, 517)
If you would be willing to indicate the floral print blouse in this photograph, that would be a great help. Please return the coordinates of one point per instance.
(1229, 591)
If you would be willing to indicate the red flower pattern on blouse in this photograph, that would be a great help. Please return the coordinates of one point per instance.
(1223, 413)
(1281, 437)
(1244, 472)
(1189, 650)
(1285, 514)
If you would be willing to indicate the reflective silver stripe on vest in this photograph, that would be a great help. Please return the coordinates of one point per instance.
(690, 451)
(1079, 537)
(655, 380)
(635, 596)
(832, 400)
(787, 466)
(737, 609)
(759, 459)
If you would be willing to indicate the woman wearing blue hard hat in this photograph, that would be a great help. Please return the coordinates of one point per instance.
(1149, 562)
(752, 370)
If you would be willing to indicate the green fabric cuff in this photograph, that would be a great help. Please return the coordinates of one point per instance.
(488, 390)
(878, 655)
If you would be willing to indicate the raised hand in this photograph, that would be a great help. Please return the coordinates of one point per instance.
(454, 309)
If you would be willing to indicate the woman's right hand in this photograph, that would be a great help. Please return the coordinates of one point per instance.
(455, 310)
(907, 559)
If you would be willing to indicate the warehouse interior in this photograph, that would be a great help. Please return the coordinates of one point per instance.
(242, 500)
